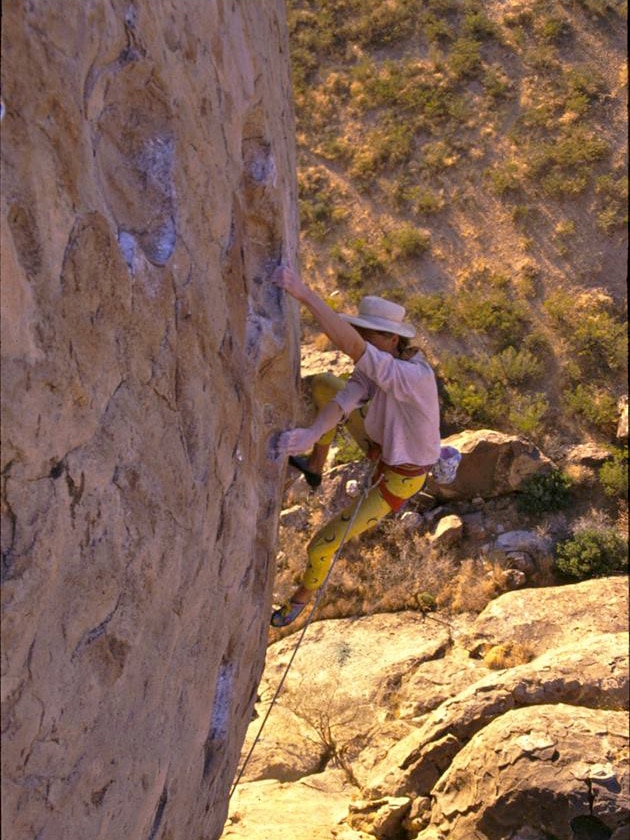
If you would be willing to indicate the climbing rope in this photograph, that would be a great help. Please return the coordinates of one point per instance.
(368, 486)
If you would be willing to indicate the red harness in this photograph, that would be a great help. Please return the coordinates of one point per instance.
(395, 502)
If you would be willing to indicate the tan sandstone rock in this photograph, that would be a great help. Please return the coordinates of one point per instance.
(551, 768)
(590, 672)
(340, 691)
(147, 191)
(448, 531)
(416, 700)
(553, 616)
(310, 808)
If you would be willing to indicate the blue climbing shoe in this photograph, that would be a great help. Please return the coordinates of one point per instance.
(313, 479)
(287, 613)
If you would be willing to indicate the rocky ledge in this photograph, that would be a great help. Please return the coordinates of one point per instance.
(403, 725)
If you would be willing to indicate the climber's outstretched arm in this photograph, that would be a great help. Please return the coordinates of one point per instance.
(295, 441)
(342, 334)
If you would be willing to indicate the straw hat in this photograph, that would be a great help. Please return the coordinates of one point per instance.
(376, 313)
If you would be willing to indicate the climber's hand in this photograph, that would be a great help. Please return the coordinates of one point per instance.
(296, 441)
(288, 279)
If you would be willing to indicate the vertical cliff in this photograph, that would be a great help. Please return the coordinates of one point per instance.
(147, 190)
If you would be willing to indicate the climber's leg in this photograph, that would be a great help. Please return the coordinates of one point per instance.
(389, 494)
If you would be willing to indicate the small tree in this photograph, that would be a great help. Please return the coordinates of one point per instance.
(336, 719)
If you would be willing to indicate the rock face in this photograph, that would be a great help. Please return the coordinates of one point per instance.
(148, 190)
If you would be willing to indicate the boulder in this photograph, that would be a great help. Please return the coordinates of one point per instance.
(343, 701)
(510, 542)
(411, 520)
(519, 554)
(295, 517)
(587, 455)
(492, 464)
(474, 525)
(448, 531)
(552, 616)
(592, 672)
(555, 768)
(403, 700)
(380, 818)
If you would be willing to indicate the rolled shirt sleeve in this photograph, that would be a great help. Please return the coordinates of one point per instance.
(357, 391)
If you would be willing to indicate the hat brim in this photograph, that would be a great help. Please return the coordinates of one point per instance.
(381, 325)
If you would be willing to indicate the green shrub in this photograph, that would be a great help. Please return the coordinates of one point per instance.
(418, 199)
(522, 213)
(494, 313)
(592, 553)
(593, 329)
(553, 29)
(426, 602)
(431, 311)
(594, 404)
(518, 18)
(320, 208)
(563, 164)
(559, 183)
(436, 30)
(359, 262)
(545, 492)
(582, 84)
(610, 218)
(311, 34)
(602, 8)
(389, 143)
(478, 25)
(527, 413)
(505, 177)
(406, 241)
(379, 25)
(613, 196)
(544, 58)
(467, 401)
(438, 155)
(511, 366)
(496, 83)
(464, 59)
(613, 474)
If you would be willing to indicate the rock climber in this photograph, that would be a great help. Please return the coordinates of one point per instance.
(389, 405)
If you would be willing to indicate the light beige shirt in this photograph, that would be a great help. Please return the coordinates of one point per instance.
(403, 414)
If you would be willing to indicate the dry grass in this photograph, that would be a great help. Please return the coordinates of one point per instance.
(475, 584)
(391, 569)
(507, 655)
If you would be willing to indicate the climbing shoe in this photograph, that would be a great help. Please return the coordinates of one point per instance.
(313, 479)
(286, 614)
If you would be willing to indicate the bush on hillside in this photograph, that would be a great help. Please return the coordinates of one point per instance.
(545, 492)
(592, 553)
(597, 406)
(613, 474)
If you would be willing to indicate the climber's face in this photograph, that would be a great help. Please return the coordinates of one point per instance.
(388, 342)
